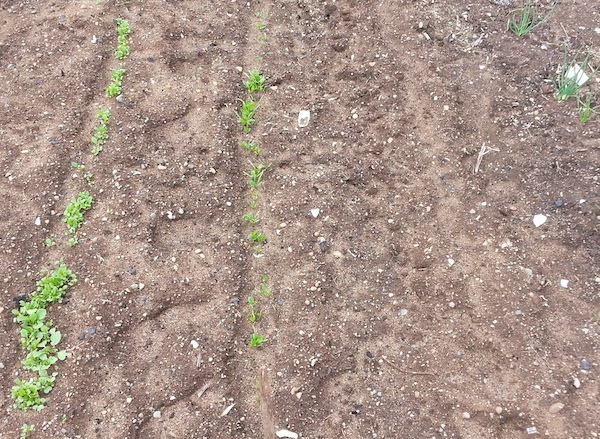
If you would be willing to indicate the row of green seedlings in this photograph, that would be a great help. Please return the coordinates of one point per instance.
(254, 83)
(40, 339)
(255, 311)
(572, 77)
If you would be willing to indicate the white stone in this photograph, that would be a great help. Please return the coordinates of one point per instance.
(195, 344)
(556, 407)
(451, 262)
(38, 221)
(315, 212)
(564, 283)
(466, 415)
(156, 414)
(539, 219)
(576, 383)
(287, 433)
(303, 118)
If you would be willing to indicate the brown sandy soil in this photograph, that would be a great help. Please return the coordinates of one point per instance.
(422, 292)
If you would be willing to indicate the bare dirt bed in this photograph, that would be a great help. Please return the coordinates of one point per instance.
(421, 302)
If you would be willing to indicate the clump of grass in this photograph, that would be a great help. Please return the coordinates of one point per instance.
(100, 132)
(527, 18)
(571, 75)
(251, 146)
(124, 30)
(74, 214)
(40, 338)
(116, 84)
(246, 114)
(255, 81)
(585, 109)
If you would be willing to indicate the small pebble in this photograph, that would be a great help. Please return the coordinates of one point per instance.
(315, 212)
(499, 410)
(539, 219)
(559, 203)
(403, 312)
(235, 300)
(287, 434)
(195, 344)
(337, 254)
(452, 304)
(556, 407)
(156, 414)
(131, 271)
(91, 330)
(1, 365)
(518, 312)
(466, 415)
(576, 383)
(585, 365)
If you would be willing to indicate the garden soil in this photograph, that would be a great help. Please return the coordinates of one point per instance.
(418, 301)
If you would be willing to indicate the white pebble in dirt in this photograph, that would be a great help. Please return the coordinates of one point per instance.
(539, 219)
(303, 118)
(315, 212)
(287, 433)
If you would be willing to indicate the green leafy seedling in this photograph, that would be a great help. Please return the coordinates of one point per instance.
(26, 429)
(571, 77)
(116, 84)
(263, 288)
(527, 18)
(49, 242)
(254, 311)
(256, 174)
(585, 108)
(252, 218)
(73, 215)
(258, 237)
(255, 81)
(246, 114)
(250, 146)
(257, 340)
(100, 131)
(124, 30)
(40, 339)
(78, 166)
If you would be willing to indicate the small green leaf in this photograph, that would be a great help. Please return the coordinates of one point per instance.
(55, 338)
(62, 355)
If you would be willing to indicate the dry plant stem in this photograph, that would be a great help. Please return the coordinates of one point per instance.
(483, 151)
(407, 371)
(203, 389)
